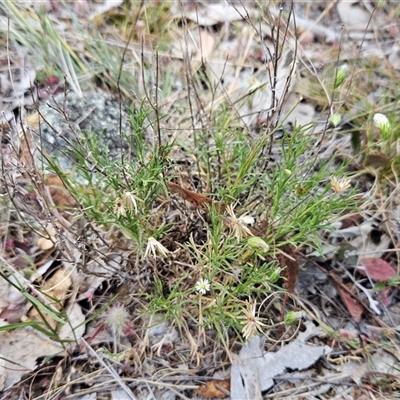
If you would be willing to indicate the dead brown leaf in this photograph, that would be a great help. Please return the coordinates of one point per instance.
(288, 260)
(47, 243)
(57, 287)
(376, 160)
(215, 389)
(60, 195)
(196, 199)
(21, 348)
(354, 309)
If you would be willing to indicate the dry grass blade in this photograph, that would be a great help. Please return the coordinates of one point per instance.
(110, 370)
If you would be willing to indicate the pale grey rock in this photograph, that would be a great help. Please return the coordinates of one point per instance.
(70, 120)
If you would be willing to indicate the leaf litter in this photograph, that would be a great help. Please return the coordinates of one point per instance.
(254, 370)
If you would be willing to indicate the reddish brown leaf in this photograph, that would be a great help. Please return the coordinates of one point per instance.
(198, 200)
(376, 268)
(353, 220)
(354, 309)
(215, 388)
(385, 296)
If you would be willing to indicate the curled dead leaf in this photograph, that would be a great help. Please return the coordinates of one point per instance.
(196, 199)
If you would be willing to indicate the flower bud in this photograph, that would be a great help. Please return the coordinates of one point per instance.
(288, 172)
(383, 124)
(340, 76)
(335, 119)
(292, 317)
(257, 243)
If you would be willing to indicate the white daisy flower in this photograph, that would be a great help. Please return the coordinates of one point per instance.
(202, 286)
